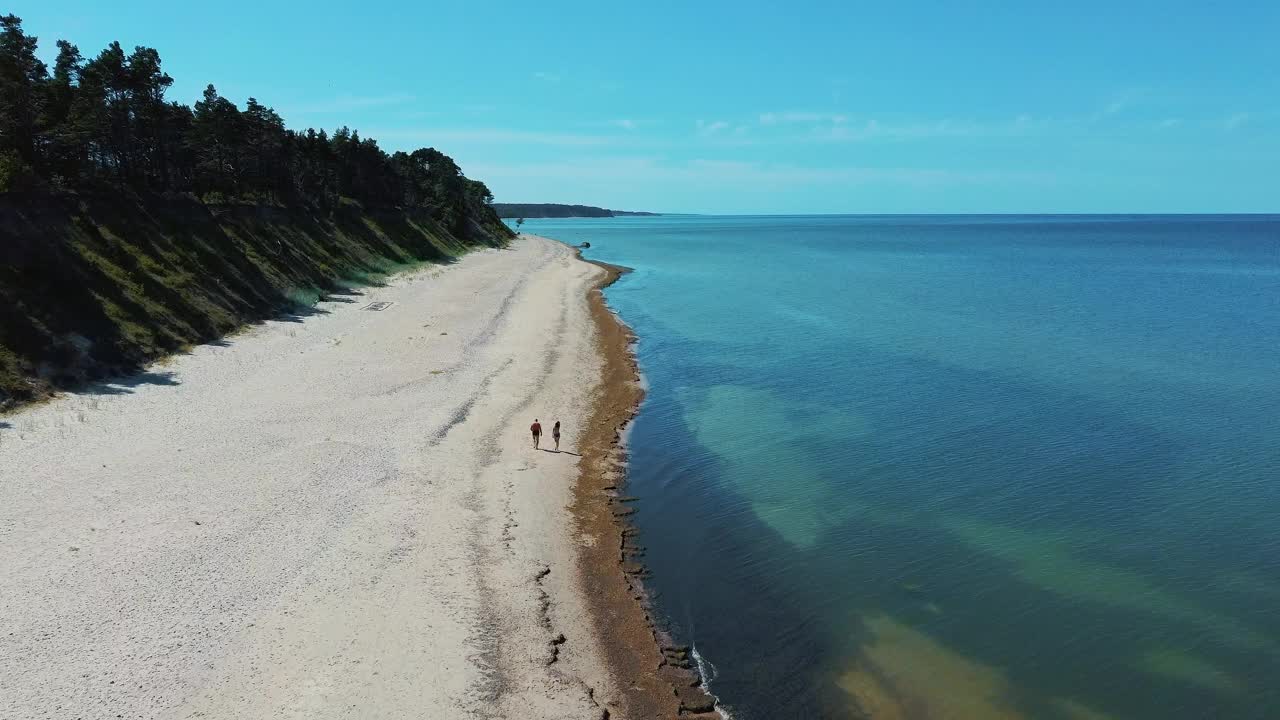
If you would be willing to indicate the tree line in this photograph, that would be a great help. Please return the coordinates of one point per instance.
(105, 123)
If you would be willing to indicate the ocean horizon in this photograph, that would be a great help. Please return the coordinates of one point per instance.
(961, 466)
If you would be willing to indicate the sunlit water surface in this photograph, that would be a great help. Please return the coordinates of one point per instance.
(961, 467)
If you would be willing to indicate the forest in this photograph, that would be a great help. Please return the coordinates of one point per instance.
(556, 210)
(133, 227)
(105, 123)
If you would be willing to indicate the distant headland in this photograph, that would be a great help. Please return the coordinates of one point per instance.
(554, 210)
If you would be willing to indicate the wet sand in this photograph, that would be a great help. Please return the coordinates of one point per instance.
(654, 676)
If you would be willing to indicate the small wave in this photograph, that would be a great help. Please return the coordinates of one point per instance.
(709, 672)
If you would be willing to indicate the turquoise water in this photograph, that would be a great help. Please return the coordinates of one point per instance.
(961, 467)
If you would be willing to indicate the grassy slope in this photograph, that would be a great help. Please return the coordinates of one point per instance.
(94, 286)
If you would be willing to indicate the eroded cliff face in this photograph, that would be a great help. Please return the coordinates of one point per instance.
(93, 285)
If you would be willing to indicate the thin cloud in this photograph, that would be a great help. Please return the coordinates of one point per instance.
(711, 127)
(832, 127)
(491, 136)
(808, 127)
(744, 174)
(876, 130)
(1237, 121)
(792, 118)
(625, 124)
(346, 103)
(548, 77)
(1120, 103)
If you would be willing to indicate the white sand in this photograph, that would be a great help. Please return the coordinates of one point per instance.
(341, 517)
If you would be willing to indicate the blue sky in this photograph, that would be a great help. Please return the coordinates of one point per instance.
(760, 106)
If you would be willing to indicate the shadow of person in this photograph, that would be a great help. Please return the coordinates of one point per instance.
(559, 452)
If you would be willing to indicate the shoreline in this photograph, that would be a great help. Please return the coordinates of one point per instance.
(656, 677)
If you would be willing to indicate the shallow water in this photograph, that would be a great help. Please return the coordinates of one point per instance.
(961, 467)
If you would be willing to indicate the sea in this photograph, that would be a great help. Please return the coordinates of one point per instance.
(960, 467)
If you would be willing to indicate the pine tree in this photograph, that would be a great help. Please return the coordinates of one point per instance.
(107, 122)
(22, 77)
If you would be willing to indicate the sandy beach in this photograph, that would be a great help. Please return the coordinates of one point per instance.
(332, 516)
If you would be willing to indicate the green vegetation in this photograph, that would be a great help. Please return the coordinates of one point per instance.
(93, 285)
(553, 210)
(132, 227)
(105, 123)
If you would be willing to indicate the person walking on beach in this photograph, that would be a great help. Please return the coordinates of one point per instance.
(536, 429)
(555, 434)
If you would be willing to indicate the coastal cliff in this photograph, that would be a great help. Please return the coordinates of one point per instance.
(96, 284)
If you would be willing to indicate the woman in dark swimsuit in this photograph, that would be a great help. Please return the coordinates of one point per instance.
(555, 434)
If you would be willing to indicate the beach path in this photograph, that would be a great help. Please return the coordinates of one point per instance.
(332, 516)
